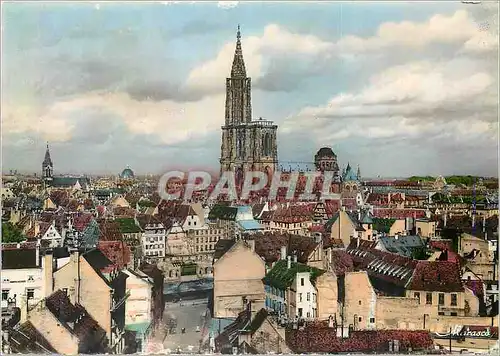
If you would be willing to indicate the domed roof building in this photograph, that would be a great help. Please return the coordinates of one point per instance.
(127, 173)
(325, 160)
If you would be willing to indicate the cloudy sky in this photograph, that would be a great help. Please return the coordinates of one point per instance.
(398, 88)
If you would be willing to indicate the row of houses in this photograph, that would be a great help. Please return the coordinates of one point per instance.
(77, 301)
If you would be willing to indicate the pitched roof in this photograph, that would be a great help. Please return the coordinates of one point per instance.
(27, 339)
(109, 231)
(222, 246)
(436, 276)
(222, 212)
(19, 258)
(257, 321)
(127, 225)
(282, 277)
(118, 252)
(268, 245)
(146, 220)
(75, 318)
(402, 245)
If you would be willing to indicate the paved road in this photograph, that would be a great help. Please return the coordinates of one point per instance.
(189, 315)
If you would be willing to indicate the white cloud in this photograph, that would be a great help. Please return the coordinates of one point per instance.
(274, 41)
(227, 4)
(411, 101)
(173, 122)
(459, 30)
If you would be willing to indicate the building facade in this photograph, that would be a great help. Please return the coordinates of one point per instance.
(246, 144)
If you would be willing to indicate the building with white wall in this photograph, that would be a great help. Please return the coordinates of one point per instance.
(22, 274)
(153, 236)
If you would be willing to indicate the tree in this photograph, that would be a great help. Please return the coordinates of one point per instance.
(10, 233)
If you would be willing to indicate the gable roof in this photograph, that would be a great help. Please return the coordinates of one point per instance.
(268, 245)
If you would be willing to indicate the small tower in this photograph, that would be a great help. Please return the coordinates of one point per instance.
(47, 166)
(358, 173)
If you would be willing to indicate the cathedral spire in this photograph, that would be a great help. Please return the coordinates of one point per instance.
(47, 160)
(238, 69)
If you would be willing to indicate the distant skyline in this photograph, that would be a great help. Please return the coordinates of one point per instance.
(401, 89)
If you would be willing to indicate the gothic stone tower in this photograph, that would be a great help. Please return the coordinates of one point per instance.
(47, 166)
(246, 145)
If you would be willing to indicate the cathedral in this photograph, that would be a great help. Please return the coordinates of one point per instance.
(247, 145)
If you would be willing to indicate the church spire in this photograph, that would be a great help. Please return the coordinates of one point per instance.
(238, 69)
(47, 160)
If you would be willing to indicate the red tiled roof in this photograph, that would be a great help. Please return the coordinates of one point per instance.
(118, 252)
(81, 221)
(268, 245)
(436, 276)
(321, 339)
(440, 244)
(109, 231)
(398, 213)
(294, 213)
(342, 262)
(331, 207)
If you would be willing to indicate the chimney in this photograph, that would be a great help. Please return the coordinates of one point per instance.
(37, 253)
(289, 262)
(23, 305)
(48, 270)
(294, 258)
(445, 219)
(358, 241)
(75, 264)
(283, 252)
(359, 215)
(484, 223)
(396, 236)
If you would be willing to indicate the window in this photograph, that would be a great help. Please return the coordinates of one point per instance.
(31, 278)
(372, 320)
(359, 302)
(302, 282)
(417, 295)
(453, 314)
(454, 300)
(300, 312)
(308, 296)
(300, 297)
(65, 290)
(308, 314)
(360, 319)
(428, 298)
(30, 293)
(5, 294)
(441, 298)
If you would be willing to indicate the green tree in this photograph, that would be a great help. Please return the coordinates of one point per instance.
(11, 233)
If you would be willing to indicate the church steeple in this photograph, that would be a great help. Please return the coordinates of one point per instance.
(47, 165)
(238, 89)
(238, 69)
(47, 160)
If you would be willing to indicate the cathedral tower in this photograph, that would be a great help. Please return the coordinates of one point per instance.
(47, 166)
(246, 144)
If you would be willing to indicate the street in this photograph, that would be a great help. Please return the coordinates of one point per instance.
(185, 314)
